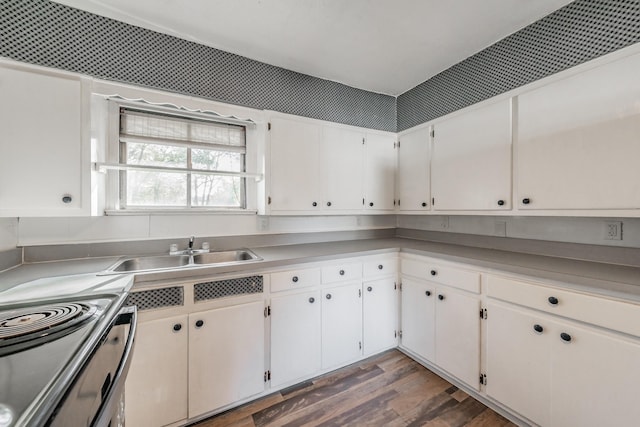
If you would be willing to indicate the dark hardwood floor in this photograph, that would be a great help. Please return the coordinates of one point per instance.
(389, 389)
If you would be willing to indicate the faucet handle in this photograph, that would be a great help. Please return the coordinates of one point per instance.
(191, 239)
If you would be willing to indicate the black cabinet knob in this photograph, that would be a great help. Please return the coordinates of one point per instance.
(538, 328)
(341, 272)
(314, 204)
(380, 266)
(328, 203)
(553, 300)
(369, 288)
(177, 327)
(500, 202)
(328, 296)
(565, 337)
(526, 201)
(199, 323)
(428, 293)
(67, 198)
(441, 297)
(433, 272)
(294, 279)
(424, 204)
(312, 300)
(371, 204)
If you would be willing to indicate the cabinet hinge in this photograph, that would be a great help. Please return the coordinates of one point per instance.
(269, 200)
(267, 311)
(483, 379)
(483, 313)
(267, 376)
(269, 126)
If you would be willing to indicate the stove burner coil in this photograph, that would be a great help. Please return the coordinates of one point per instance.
(33, 322)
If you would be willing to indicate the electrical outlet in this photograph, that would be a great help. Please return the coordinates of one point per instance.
(263, 223)
(613, 230)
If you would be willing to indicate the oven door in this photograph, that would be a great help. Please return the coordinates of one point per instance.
(96, 397)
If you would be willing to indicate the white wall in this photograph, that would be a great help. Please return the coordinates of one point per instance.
(43, 231)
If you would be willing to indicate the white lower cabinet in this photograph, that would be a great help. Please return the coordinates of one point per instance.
(418, 317)
(226, 356)
(379, 315)
(156, 387)
(559, 373)
(341, 324)
(295, 336)
(458, 334)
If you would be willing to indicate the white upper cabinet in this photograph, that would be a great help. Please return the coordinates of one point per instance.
(578, 141)
(380, 171)
(343, 165)
(414, 171)
(295, 166)
(471, 160)
(43, 169)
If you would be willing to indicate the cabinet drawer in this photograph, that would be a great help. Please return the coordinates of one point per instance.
(380, 267)
(341, 272)
(616, 315)
(447, 275)
(294, 279)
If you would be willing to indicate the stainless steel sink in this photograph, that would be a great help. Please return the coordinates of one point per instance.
(172, 262)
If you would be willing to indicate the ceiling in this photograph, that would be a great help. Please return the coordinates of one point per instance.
(384, 46)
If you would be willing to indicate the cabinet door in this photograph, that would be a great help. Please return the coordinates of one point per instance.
(226, 356)
(295, 337)
(519, 361)
(41, 155)
(342, 169)
(471, 163)
(414, 171)
(156, 387)
(341, 325)
(595, 378)
(458, 334)
(295, 166)
(380, 167)
(578, 141)
(380, 315)
(418, 317)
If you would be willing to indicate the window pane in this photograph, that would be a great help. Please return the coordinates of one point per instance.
(158, 126)
(219, 191)
(156, 189)
(156, 155)
(217, 160)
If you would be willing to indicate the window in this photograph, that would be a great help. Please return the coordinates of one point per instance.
(175, 161)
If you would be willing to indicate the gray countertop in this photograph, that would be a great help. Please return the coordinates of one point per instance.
(606, 279)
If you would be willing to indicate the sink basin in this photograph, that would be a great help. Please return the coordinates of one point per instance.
(172, 262)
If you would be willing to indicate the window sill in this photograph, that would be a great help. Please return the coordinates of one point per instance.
(131, 212)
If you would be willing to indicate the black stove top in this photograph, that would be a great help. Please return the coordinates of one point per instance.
(37, 345)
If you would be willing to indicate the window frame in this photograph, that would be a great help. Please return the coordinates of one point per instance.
(116, 176)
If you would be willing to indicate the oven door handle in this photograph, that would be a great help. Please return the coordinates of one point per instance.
(127, 315)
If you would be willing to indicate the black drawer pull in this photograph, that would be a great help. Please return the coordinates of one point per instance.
(428, 293)
(177, 327)
(312, 300)
(328, 296)
(441, 297)
(314, 204)
(500, 202)
(538, 328)
(199, 323)
(433, 272)
(328, 203)
(369, 288)
(526, 201)
(341, 272)
(565, 337)
(380, 267)
(553, 300)
(294, 279)
(424, 204)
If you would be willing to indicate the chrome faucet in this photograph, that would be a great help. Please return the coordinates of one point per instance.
(173, 250)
